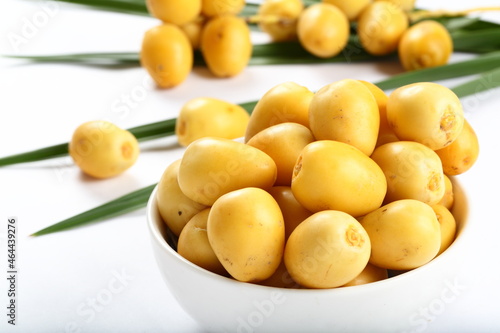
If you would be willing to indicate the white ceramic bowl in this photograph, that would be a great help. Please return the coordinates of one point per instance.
(403, 303)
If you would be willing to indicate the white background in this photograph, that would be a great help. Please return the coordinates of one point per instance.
(41, 105)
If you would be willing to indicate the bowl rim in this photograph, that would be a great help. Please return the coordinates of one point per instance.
(459, 239)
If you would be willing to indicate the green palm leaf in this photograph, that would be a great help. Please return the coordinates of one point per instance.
(119, 206)
(155, 130)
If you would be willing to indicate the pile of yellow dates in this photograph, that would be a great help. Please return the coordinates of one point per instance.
(323, 29)
(331, 188)
(209, 25)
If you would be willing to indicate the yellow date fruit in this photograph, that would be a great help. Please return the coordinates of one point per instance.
(204, 116)
(226, 45)
(167, 55)
(448, 197)
(412, 170)
(175, 208)
(345, 111)
(385, 132)
(280, 279)
(370, 274)
(174, 11)
(102, 150)
(246, 231)
(193, 30)
(404, 234)
(331, 175)
(293, 212)
(447, 224)
(462, 153)
(352, 8)
(212, 167)
(279, 18)
(286, 102)
(327, 250)
(406, 5)
(284, 143)
(194, 246)
(323, 30)
(212, 8)
(380, 27)
(426, 44)
(425, 112)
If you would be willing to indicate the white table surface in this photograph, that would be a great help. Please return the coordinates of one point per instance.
(103, 278)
